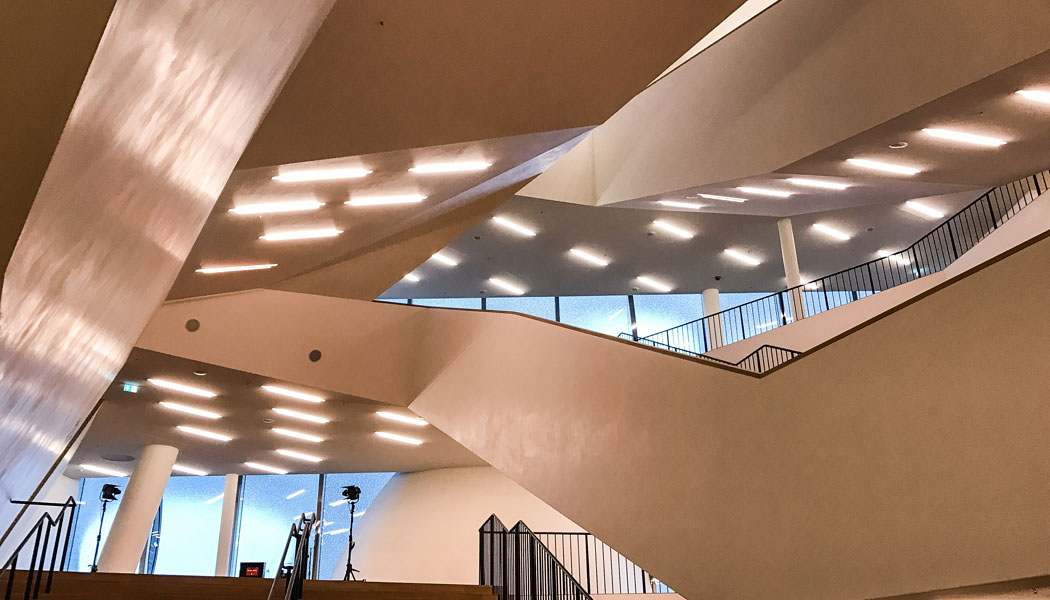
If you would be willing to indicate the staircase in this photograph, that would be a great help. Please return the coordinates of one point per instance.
(113, 586)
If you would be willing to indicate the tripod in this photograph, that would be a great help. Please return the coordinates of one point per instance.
(350, 570)
(98, 539)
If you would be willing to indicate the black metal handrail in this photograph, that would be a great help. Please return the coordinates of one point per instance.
(518, 566)
(296, 574)
(598, 567)
(761, 359)
(43, 542)
(930, 254)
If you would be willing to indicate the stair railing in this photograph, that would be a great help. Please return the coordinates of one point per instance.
(48, 535)
(598, 566)
(762, 359)
(930, 254)
(518, 566)
(294, 577)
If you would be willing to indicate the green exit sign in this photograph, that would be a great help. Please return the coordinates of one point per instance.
(131, 387)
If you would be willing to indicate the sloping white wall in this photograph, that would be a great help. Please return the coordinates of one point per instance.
(423, 527)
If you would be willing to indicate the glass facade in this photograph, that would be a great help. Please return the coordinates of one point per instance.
(610, 315)
(657, 312)
(186, 535)
(537, 306)
(472, 303)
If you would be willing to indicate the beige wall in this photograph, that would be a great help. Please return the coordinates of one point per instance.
(423, 527)
(909, 455)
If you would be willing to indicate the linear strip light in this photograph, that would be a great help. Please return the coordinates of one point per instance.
(300, 415)
(404, 439)
(298, 435)
(190, 410)
(402, 418)
(726, 198)
(452, 167)
(883, 166)
(295, 494)
(831, 231)
(1037, 95)
(514, 226)
(654, 284)
(265, 208)
(921, 208)
(678, 204)
(283, 391)
(267, 468)
(386, 200)
(214, 499)
(236, 268)
(962, 136)
(178, 387)
(664, 225)
(103, 470)
(445, 259)
(204, 433)
(817, 183)
(301, 234)
(299, 455)
(587, 256)
(412, 277)
(744, 258)
(505, 286)
(321, 174)
(765, 192)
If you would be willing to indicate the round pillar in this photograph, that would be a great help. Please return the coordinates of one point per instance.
(713, 305)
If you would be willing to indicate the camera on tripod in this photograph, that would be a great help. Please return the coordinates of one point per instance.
(109, 492)
(352, 493)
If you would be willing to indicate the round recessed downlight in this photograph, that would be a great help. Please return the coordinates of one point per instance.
(899, 145)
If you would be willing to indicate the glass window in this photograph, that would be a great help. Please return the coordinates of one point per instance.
(473, 303)
(189, 526)
(537, 306)
(269, 505)
(604, 314)
(89, 512)
(336, 514)
(660, 312)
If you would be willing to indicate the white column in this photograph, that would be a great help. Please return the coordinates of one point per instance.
(226, 525)
(791, 273)
(712, 305)
(137, 509)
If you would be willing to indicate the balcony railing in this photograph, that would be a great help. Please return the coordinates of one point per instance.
(930, 254)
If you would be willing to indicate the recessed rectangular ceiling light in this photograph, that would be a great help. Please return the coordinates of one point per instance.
(402, 418)
(187, 470)
(765, 192)
(204, 433)
(514, 226)
(452, 167)
(507, 287)
(828, 230)
(726, 198)
(301, 234)
(283, 391)
(263, 208)
(412, 277)
(445, 259)
(185, 389)
(294, 494)
(1037, 95)
(214, 500)
(404, 439)
(384, 200)
(664, 225)
(587, 256)
(298, 435)
(103, 470)
(817, 183)
(744, 258)
(678, 204)
(267, 468)
(924, 210)
(883, 166)
(300, 415)
(234, 269)
(322, 174)
(207, 414)
(897, 258)
(299, 455)
(961, 136)
(654, 284)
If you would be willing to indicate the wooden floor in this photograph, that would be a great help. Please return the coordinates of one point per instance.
(110, 586)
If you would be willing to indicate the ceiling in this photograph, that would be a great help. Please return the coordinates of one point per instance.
(127, 422)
